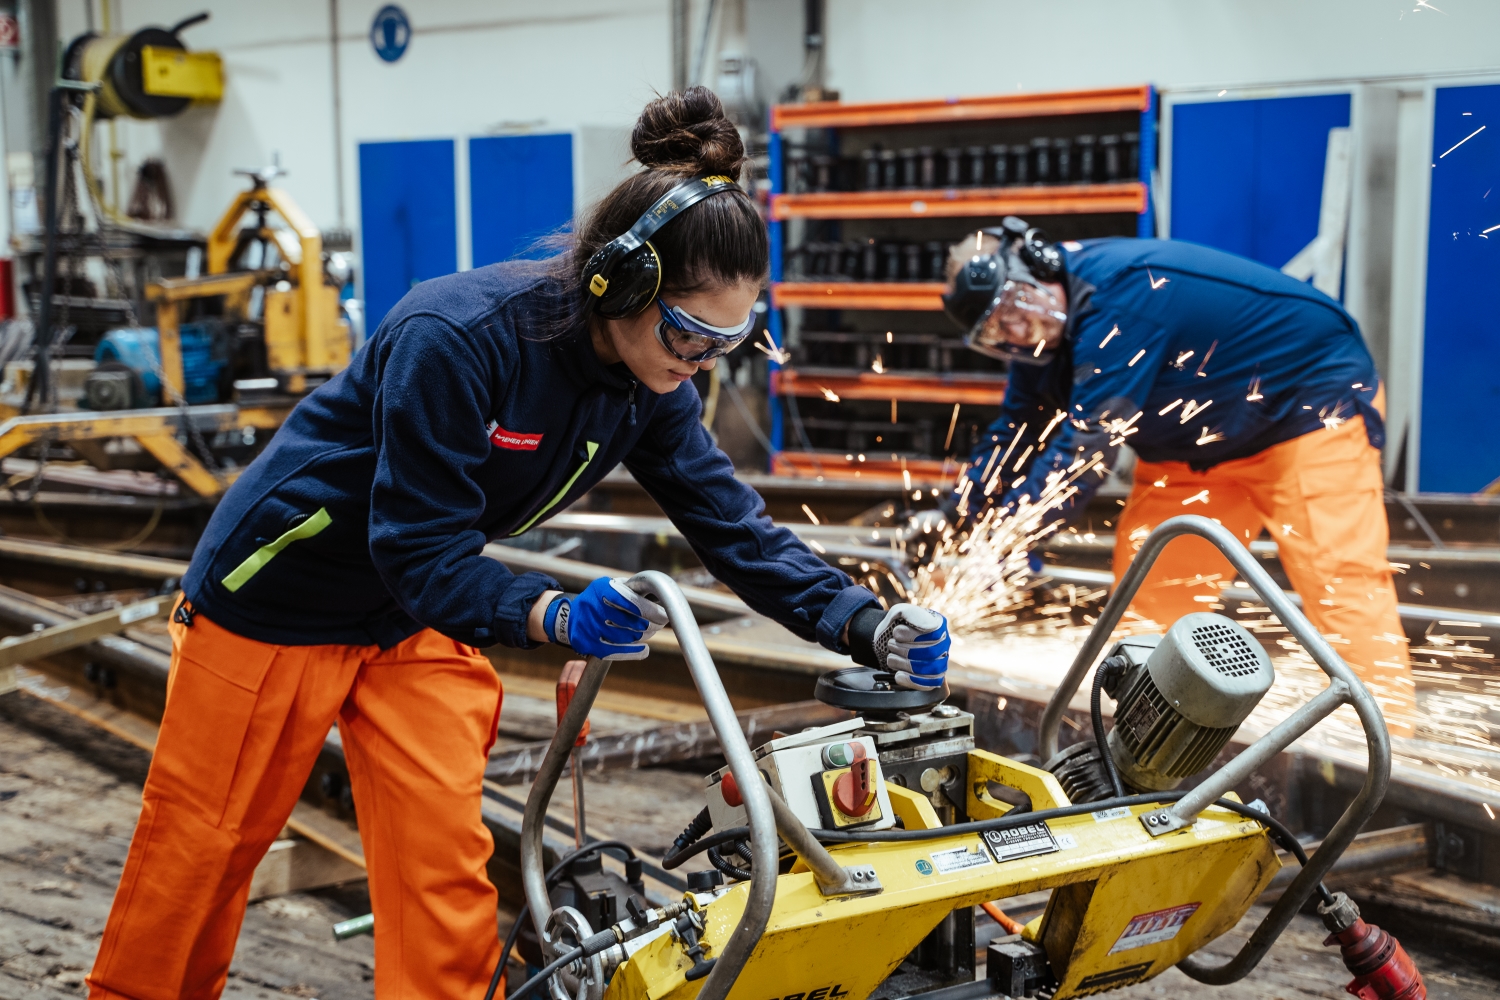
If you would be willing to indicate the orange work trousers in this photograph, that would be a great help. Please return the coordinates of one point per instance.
(1321, 497)
(243, 726)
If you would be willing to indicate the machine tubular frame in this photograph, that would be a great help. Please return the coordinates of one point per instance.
(762, 822)
(1344, 688)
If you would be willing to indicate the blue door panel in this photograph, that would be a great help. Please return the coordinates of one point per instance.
(1460, 450)
(1247, 176)
(408, 219)
(520, 189)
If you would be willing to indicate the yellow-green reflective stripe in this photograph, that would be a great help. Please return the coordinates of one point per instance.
(593, 447)
(245, 570)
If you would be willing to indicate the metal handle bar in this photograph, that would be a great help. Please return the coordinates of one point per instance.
(1344, 687)
(763, 842)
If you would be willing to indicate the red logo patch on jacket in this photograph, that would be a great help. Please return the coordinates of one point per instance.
(512, 440)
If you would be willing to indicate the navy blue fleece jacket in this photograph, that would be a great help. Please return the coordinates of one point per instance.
(364, 519)
(1187, 353)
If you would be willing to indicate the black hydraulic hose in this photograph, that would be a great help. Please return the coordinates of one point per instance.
(701, 824)
(557, 869)
(546, 973)
(676, 859)
(1096, 714)
(727, 867)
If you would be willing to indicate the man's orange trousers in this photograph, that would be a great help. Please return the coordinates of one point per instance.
(243, 726)
(1321, 497)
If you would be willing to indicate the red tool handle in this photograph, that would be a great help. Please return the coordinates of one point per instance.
(567, 687)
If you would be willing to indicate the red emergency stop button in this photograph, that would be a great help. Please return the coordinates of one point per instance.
(853, 793)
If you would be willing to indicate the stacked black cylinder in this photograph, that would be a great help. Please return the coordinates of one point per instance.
(869, 260)
(1082, 159)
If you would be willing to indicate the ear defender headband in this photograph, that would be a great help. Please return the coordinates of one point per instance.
(624, 276)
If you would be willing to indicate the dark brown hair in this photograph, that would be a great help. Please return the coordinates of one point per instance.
(720, 240)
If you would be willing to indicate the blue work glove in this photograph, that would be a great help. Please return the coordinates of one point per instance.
(607, 620)
(910, 642)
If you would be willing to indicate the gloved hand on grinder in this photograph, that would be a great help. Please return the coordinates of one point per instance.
(909, 641)
(607, 620)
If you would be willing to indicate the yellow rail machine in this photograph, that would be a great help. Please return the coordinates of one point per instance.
(860, 846)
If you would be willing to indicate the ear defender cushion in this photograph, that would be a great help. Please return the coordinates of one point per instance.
(631, 285)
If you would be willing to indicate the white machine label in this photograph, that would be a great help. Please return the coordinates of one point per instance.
(1153, 928)
(1105, 815)
(956, 860)
(1020, 842)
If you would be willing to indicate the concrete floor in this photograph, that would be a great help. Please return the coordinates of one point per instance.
(69, 798)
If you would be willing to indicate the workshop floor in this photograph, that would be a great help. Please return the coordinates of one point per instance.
(70, 795)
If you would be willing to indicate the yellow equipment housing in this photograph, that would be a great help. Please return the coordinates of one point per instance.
(1125, 906)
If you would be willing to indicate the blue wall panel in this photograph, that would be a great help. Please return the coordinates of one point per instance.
(520, 189)
(408, 219)
(1247, 176)
(1461, 355)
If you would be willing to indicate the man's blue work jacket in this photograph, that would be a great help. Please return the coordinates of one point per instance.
(364, 519)
(1187, 353)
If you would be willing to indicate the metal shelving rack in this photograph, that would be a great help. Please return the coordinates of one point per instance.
(868, 122)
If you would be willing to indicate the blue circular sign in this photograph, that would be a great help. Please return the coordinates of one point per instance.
(390, 32)
(924, 867)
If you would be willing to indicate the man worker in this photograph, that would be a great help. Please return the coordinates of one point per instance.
(1249, 397)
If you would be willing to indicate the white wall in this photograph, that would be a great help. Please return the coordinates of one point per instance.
(473, 67)
(893, 49)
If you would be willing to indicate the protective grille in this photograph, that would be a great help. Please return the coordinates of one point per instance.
(1229, 652)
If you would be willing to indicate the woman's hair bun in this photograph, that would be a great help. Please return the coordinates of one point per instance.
(686, 132)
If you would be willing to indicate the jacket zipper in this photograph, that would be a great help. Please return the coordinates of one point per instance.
(593, 447)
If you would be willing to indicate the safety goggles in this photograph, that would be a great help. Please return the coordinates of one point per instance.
(1022, 324)
(688, 338)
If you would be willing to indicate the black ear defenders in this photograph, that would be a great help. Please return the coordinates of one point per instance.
(624, 276)
(1030, 245)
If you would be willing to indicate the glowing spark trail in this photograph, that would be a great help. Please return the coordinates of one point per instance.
(1138, 356)
(1169, 407)
(1199, 497)
(810, 515)
(1207, 438)
(1116, 331)
(951, 425)
(1255, 393)
(1155, 282)
(878, 365)
(829, 394)
(1464, 140)
(773, 352)
(1204, 362)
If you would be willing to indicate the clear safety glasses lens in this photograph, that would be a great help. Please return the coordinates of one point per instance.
(688, 338)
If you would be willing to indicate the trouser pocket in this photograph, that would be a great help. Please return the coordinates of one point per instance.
(215, 686)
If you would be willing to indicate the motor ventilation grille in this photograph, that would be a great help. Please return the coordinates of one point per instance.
(1226, 650)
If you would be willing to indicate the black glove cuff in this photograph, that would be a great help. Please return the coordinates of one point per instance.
(862, 636)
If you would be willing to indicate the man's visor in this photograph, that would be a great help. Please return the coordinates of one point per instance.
(1023, 323)
(688, 338)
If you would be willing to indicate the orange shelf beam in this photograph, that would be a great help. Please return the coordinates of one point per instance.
(925, 473)
(912, 296)
(1073, 199)
(904, 388)
(836, 114)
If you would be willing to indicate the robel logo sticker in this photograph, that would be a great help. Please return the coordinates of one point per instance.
(834, 992)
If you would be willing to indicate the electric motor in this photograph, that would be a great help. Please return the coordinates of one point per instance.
(1177, 710)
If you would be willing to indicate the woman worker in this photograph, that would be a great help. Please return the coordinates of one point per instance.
(341, 578)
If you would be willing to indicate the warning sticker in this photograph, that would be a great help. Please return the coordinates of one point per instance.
(956, 860)
(1153, 928)
(1105, 815)
(1020, 842)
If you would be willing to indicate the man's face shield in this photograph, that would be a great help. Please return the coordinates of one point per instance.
(1024, 323)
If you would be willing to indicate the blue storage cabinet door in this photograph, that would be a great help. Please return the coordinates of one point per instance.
(408, 219)
(1247, 176)
(520, 189)
(1460, 450)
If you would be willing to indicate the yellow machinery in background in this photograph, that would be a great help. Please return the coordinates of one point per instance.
(265, 279)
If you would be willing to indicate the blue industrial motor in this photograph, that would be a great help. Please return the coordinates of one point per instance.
(129, 359)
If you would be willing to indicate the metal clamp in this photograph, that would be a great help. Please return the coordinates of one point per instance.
(1344, 688)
